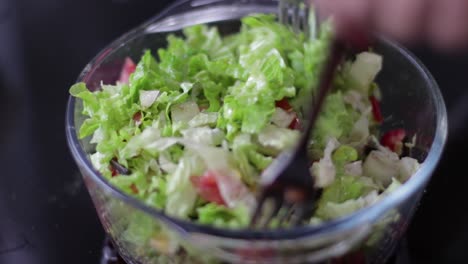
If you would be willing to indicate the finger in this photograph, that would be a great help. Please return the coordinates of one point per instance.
(345, 12)
(402, 20)
(448, 24)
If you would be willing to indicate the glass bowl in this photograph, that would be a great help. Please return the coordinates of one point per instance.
(411, 99)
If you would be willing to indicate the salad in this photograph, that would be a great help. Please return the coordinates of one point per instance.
(190, 127)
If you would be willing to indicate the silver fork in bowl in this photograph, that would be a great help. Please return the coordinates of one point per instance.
(287, 183)
(296, 14)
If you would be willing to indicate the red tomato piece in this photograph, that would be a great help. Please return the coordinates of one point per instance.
(113, 171)
(127, 69)
(134, 188)
(376, 111)
(393, 139)
(284, 104)
(137, 118)
(207, 187)
(295, 124)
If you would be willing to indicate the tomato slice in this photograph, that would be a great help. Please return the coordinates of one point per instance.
(137, 118)
(376, 111)
(127, 69)
(295, 124)
(284, 104)
(393, 139)
(207, 187)
(113, 171)
(134, 188)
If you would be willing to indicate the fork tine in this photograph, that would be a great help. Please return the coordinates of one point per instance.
(296, 20)
(298, 216)
(258, 210)
(288, 211)
(277, 203)
(283, 11)
(304, 21)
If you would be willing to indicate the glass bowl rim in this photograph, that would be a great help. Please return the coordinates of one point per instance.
(363, 216)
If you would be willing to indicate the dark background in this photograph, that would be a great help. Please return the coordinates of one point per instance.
(46, 215)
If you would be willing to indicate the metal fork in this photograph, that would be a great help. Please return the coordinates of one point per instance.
(296, 14)
(287, 187)
(287, 183)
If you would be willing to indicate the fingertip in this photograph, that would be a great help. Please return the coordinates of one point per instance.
(344, 12)
(447, 30)
(401, 20)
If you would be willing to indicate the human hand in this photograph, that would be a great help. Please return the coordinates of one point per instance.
(441, 23)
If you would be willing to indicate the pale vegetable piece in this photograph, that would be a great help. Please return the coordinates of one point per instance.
(147, 98)
(98, 136)
(360, 131)
(154, 166)
(408, 167)
(282, 118)
(166, 164)
(96, 159)
(278, 138)
(204, 119)
(353, 168)
(391, 188)
(381, 166)
(160, 144)
(140, 141)
(355, 99)
(204, 135)
(324, 171)
(364, 70)
(184, 112)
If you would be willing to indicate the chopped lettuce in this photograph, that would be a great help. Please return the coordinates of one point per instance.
(209, 103)
(248, 158)
(331, 210)
(408, 167)
(364, 70)
(342, 193)
(276, 139)
(221, 216)
(324, 171)
(158, 193)
(344, 154)
(381, 165)
(336, 120)
(181, 194)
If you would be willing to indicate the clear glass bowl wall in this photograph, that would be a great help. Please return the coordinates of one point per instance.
(411, 99)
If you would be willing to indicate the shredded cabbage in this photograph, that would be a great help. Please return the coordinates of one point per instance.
(208, 103)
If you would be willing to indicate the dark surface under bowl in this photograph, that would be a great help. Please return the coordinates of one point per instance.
(46, 215)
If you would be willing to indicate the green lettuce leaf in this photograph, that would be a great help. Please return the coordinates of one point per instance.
(181, 195)
(336, 120)
(221, 216)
